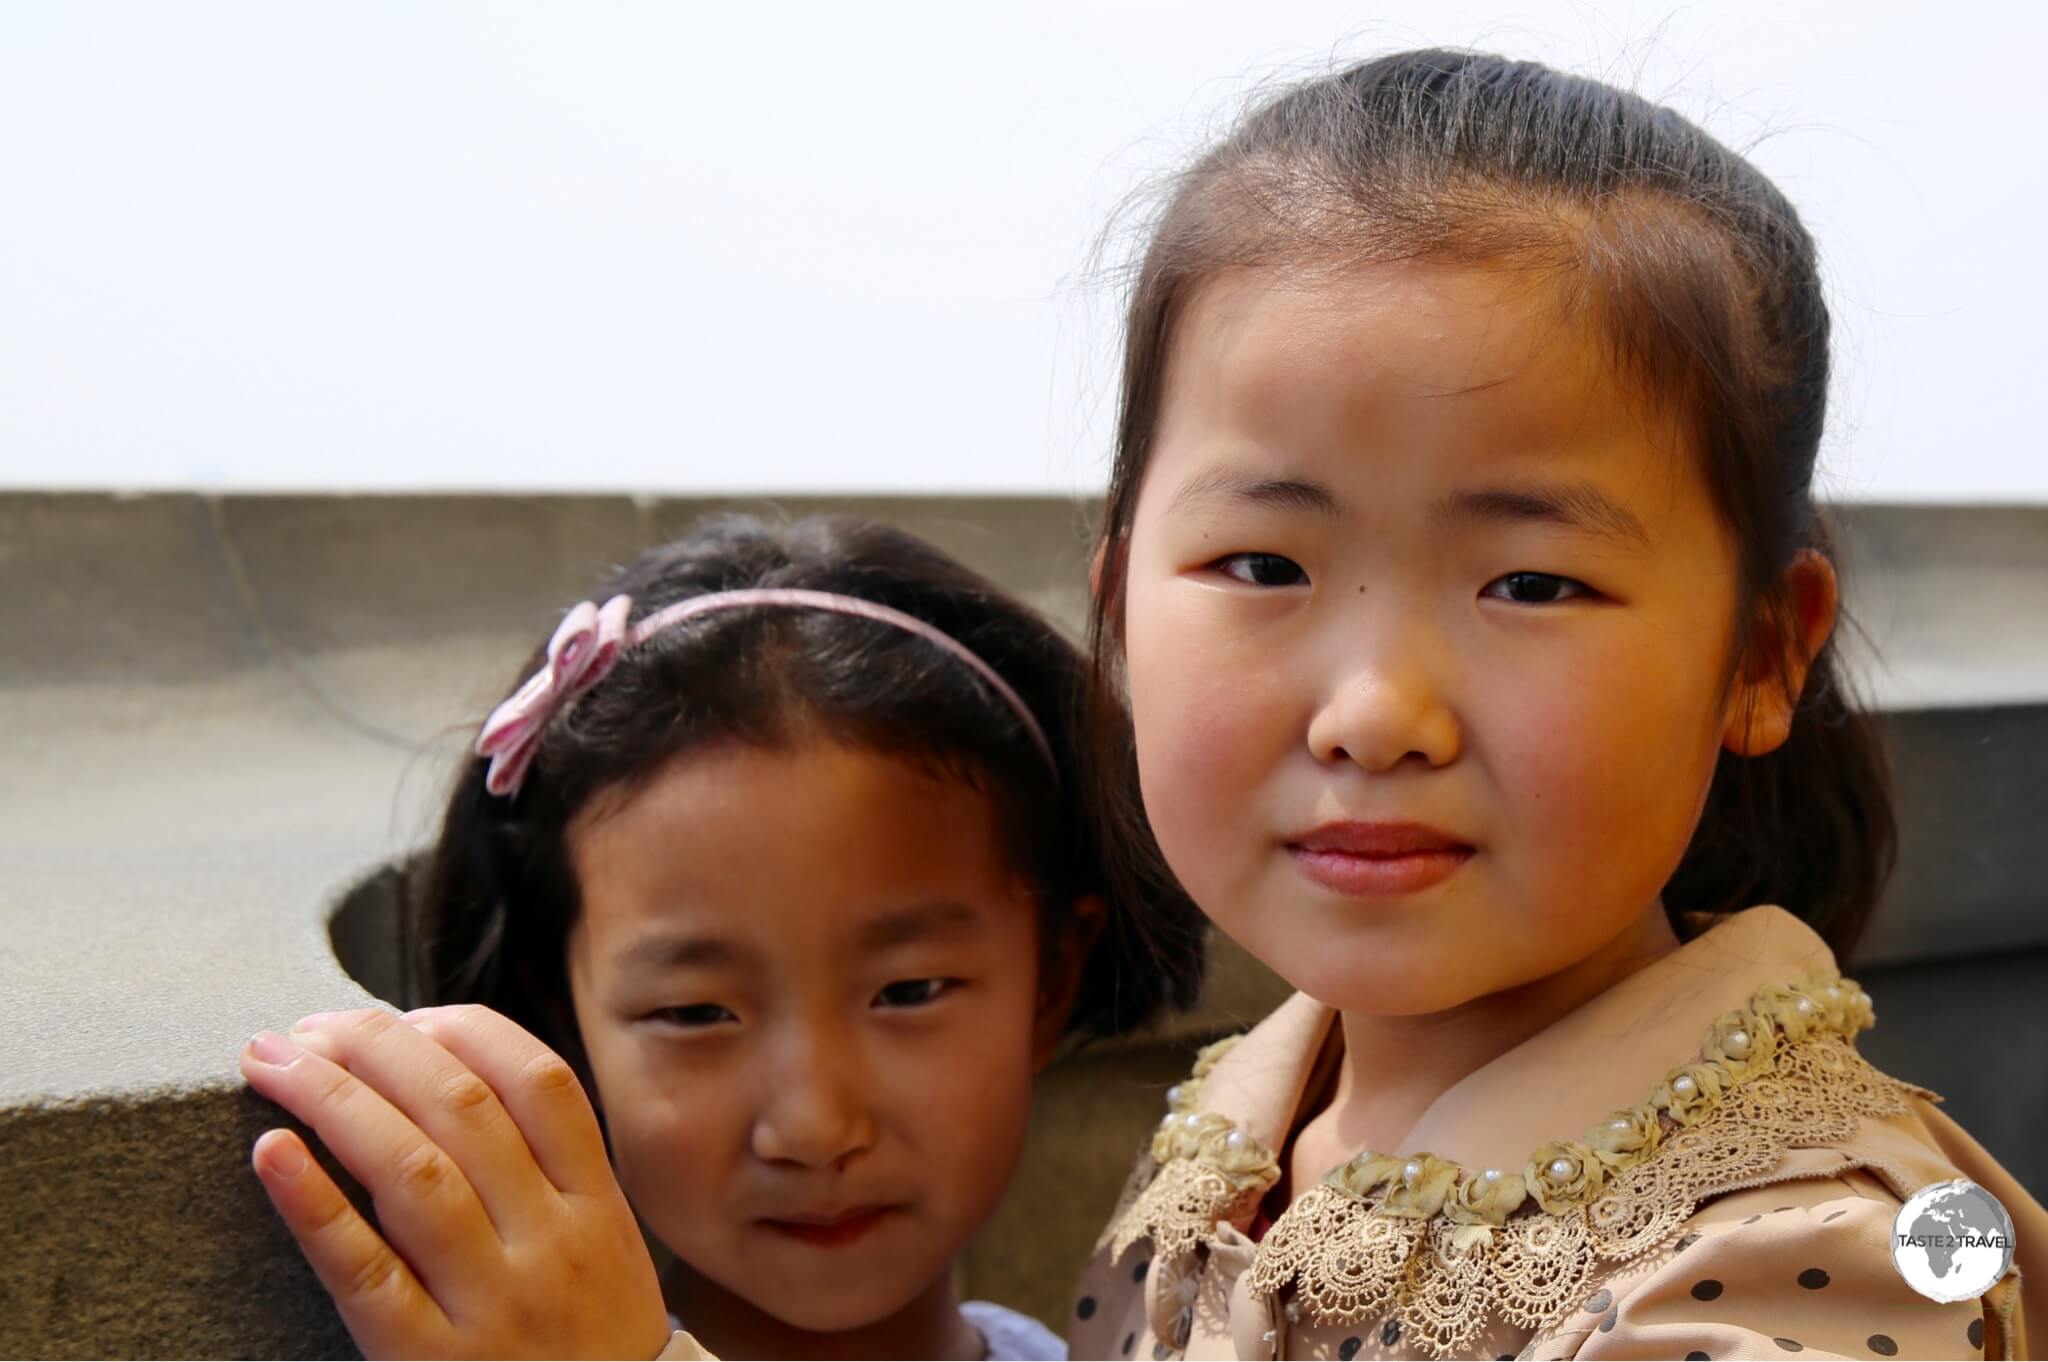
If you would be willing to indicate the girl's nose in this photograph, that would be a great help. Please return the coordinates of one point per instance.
(815, 1111)
(1379, 716)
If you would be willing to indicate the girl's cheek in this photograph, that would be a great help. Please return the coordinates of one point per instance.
(1198, 687)
(1208, 746)
(1557, 738)
(673, 1132)
(1205, 733)
(1601, 760)
(1195, 731)
(978, 1099)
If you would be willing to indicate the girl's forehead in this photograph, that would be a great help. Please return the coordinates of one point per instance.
(788, 939)
(821, 842)
(1424, 331)
(1477, 369)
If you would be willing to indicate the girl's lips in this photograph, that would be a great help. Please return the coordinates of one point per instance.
(836, 1232)
(1373, 876)
(1377, 839)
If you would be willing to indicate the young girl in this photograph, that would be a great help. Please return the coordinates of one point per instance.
(1462, 565)
(783, 847)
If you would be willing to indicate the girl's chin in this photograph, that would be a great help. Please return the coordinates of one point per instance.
(1391, 973)
(843, 1308)
(1381, 996)
(799, 1300)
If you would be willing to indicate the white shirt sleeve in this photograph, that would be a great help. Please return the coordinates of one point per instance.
(1012, 1337)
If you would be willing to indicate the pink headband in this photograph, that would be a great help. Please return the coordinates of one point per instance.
(590, 638)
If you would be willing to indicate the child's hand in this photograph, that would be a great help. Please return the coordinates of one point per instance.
(508, 1235)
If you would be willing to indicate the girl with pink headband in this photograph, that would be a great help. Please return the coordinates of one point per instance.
(782, 855)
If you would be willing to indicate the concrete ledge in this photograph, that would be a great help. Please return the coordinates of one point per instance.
(132, 1240)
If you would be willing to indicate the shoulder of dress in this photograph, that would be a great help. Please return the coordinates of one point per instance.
(1275, 1039)
(1186, 1095)
(1197, 1167)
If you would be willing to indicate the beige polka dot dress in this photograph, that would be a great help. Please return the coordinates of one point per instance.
(1697, 1163)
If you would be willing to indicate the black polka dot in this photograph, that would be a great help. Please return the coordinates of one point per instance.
(1130, 1342)
(1138, 1272)
(1390, 1332)
(1837, 1216)
(1705, 1290)
(1790, 1345)
(1977, 1333)
(1507, 1357)
(1607, 1320)
(1753, 1219)
(1698, 1357)
(1813, 1279)
(1687, 1242)
(1882, 1344)
(1086, 1308)
(1781, 1210)
(1599, 1301)
(1348, 1349)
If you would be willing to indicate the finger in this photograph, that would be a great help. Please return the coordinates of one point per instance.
(387, 1311)
(450, 1101)
(426, 1208)
(538, 1088)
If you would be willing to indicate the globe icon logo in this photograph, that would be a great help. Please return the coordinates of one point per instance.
(1952, 1241)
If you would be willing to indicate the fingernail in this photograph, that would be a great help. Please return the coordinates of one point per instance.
(270, 1048)
(286, 1162)
(313, 1021)
(416, 1013)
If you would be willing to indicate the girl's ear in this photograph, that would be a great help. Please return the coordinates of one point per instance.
(1782, 649)
(1061, 984)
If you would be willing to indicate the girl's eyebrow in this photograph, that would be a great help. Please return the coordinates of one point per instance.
(661, 953)
(1574, 505)
(919, 922)
(1237, 484)
(936, 920)
(1577, 506)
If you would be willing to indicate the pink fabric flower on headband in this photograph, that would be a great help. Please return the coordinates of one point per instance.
(583, 650)
(591, 637)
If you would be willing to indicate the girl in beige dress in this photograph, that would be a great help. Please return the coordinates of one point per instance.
(1462, 566)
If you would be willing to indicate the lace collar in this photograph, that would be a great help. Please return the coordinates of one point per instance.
(1443, 1246)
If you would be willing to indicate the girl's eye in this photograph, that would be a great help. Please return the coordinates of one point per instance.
(1535, 588)
(696, 1016)
(915, 992)
(1262, 569)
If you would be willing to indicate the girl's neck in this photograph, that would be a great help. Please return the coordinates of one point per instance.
(731, 1326)
(1394, 1068)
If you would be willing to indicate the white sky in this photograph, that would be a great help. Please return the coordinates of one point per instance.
(704, 248)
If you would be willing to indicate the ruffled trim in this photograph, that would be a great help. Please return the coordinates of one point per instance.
(1444, 1248)
(1203, 1169)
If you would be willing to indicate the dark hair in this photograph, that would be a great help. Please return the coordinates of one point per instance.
(501, 892)
(1696, 272)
